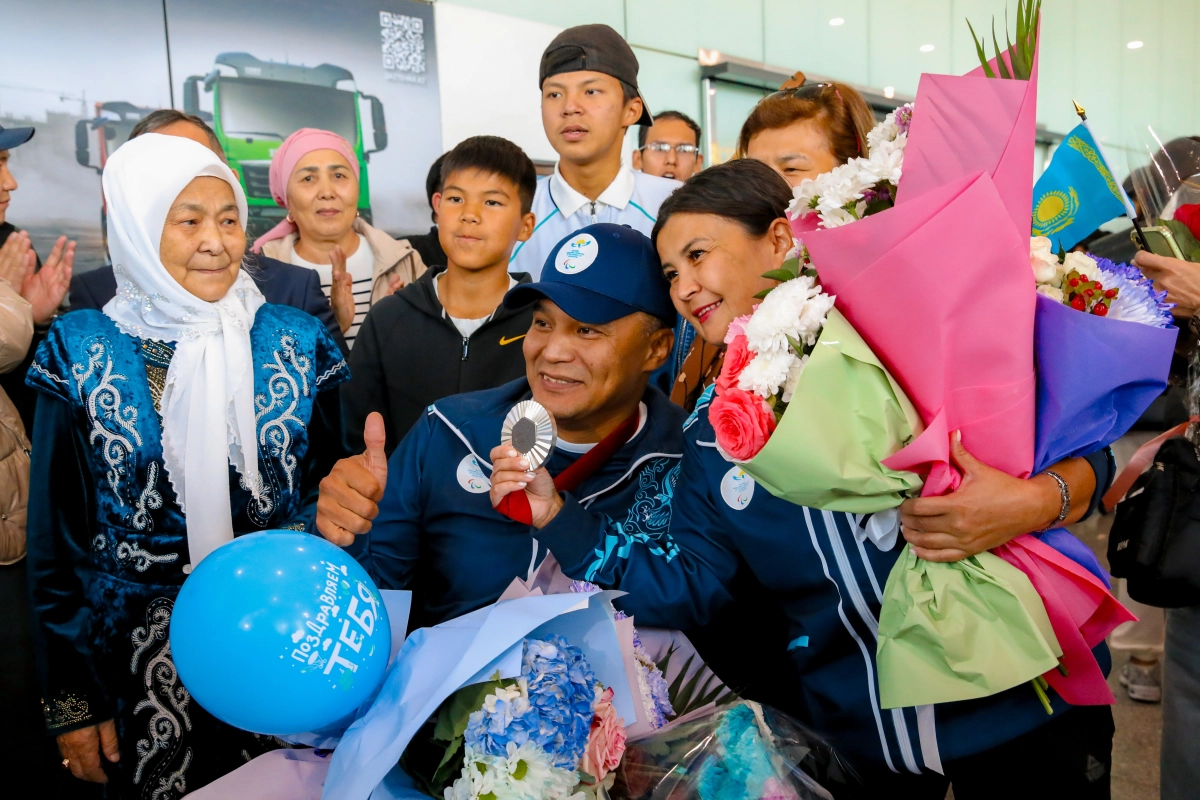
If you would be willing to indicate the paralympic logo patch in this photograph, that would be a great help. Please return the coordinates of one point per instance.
(576, 254)
(471, 477)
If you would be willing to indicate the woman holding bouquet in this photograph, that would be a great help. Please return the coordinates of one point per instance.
(716, 236)
(801, 131)
(187, 412)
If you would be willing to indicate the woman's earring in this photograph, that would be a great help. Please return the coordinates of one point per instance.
(289, 219)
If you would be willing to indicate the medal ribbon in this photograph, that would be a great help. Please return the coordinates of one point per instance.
(515, 505)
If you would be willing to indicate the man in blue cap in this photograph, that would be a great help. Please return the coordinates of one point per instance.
(424, 519)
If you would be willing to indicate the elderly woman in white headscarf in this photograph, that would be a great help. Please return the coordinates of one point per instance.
(185, 413)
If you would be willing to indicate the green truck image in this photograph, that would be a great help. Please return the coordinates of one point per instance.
(110, 128)
(257, 104)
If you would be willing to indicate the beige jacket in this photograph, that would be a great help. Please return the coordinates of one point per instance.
(16, 332)
(392, 256)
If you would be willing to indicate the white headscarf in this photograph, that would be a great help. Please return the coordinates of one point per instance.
(208, 400)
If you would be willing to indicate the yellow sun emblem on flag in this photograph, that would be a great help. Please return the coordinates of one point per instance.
(1054, 211)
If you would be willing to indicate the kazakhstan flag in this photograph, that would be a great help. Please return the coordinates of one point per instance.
(1077, 193)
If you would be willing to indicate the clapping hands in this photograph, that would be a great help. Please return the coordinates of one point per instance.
(44, 288)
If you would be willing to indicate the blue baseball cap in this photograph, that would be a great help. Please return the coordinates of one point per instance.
(601, 273)
(14, 137)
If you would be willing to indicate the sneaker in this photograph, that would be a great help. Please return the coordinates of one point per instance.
(1142, 681)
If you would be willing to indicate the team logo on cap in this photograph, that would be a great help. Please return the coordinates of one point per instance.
(576, 254)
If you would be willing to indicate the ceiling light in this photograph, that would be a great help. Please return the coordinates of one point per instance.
(708, 58)
(926, 48)
(889, 92)
(1135, 44)
(836, 21)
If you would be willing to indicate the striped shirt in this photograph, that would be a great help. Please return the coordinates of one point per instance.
(361, 266)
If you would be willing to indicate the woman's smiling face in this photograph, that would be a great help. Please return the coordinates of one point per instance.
(715, 268)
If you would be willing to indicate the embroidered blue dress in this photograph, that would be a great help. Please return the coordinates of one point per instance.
(108, 547)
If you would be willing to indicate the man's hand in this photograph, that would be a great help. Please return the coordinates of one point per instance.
(341, 293)
(510, 473)
(46, 288)
(989, 508)
(350, 493)
(82, 750)
(16, 259)
(1179, 279)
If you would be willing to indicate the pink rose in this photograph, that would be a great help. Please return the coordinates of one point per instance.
(737, 356)
(742, 421)
(737, 327)
(606, 742)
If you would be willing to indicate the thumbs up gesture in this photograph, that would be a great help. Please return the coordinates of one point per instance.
(351, 492)
(341, 293)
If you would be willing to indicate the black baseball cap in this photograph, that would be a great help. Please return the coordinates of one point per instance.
(601, 273)
(593, 48)
(14, 137)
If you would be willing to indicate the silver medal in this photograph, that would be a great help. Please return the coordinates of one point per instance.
(530, 430)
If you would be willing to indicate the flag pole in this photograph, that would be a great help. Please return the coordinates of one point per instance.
(1129, 210)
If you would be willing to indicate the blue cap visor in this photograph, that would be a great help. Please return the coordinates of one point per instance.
(579, 303)
(12, 137)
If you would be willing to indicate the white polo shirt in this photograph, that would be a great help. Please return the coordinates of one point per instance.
(631, 199)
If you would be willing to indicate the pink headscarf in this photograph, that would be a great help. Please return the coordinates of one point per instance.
(294, 148)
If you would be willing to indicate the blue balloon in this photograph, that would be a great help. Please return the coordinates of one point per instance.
(280, 633)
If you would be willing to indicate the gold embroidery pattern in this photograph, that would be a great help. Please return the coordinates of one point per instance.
(1088, 152)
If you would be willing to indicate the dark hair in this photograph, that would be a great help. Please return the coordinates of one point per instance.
(497, 156)
(644, 130)
(161, 118)
(744, 191)
(840, 110)
(433, 183)
(627, 91)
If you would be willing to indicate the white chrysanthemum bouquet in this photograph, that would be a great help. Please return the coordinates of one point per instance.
(797, 351)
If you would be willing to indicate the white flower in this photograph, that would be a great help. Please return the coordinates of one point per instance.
(1046, 268)
(886, 162)
(1052, 292)
(795, 308)
(837, 216)
(1082, 264)
(793, 378)
(524, 773)
(885, 131)
(802, 197)
(766, 373)
(528, 774)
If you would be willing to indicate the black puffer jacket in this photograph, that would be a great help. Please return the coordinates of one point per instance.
(408, 355)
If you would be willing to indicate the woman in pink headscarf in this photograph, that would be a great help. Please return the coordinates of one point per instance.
(314, 175)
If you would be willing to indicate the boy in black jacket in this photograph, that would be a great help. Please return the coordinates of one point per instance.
(448, 332)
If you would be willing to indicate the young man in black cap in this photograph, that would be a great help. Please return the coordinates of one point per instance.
(588, 78)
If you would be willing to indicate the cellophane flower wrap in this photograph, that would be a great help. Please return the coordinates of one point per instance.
(1103, 345)
(801, 403)
(743, 751)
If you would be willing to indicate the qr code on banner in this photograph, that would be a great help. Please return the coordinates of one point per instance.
(403, 42)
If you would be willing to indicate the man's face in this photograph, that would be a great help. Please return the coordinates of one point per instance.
(585, 114)
(656, 159)
(8, 184)
(581, 372)
(479, 218)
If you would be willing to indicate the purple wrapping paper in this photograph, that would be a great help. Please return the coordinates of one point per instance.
(1096, 377)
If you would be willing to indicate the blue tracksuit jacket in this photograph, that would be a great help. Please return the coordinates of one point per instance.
(829, 582)
(437, 533)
